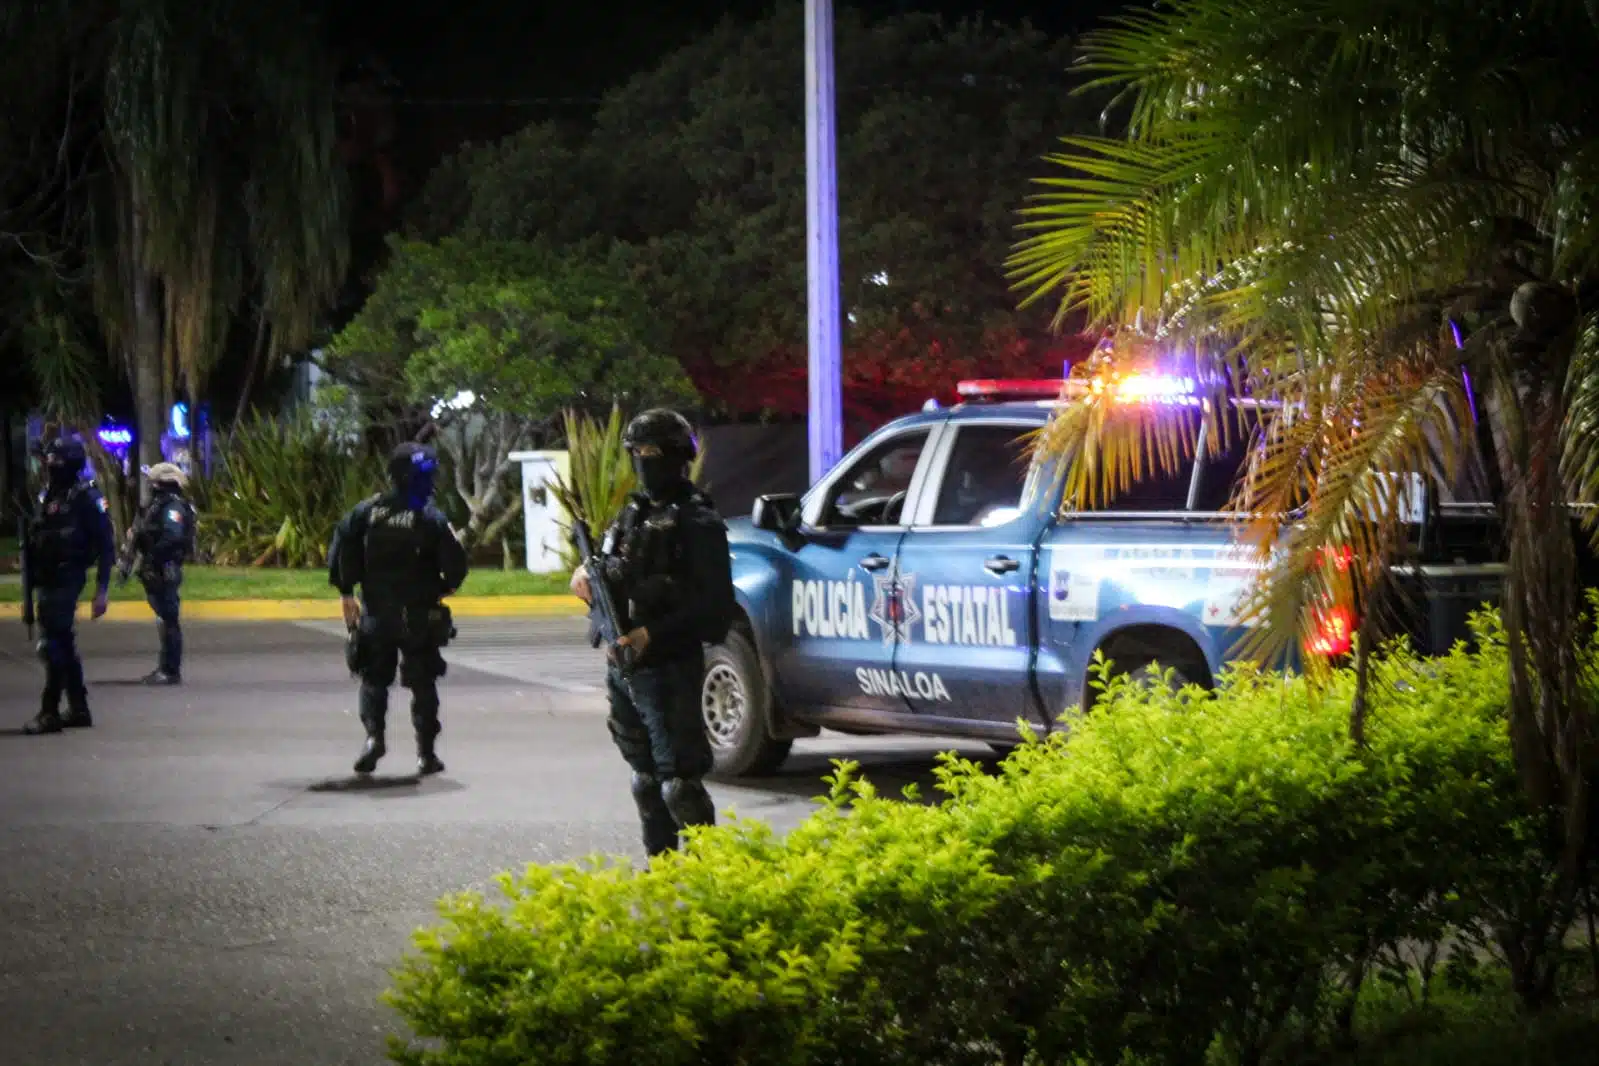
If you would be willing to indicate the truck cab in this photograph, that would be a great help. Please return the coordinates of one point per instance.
(931, 584)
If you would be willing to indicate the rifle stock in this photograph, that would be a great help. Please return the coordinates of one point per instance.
(602, 608)
(125, 563)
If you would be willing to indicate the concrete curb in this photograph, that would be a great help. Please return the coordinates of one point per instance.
(323, 610)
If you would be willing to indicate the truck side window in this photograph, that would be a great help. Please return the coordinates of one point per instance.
(872, 492)
(984, 479)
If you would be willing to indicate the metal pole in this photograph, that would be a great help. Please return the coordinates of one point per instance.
(826, 408)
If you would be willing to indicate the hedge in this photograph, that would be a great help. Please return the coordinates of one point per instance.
(1181, 878)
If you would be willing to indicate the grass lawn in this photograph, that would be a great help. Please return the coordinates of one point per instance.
(260, 583)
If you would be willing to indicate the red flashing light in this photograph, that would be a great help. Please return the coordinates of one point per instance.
(1340, 558)
(1334, 633)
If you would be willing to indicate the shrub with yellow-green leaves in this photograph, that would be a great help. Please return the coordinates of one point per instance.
(1179, 878)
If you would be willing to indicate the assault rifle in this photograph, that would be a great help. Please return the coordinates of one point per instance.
(602, 608)
(126, 561)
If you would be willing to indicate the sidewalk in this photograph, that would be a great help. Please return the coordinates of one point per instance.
(322, 610)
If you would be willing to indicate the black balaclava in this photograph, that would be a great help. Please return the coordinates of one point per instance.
(660, 475)
(63, 461)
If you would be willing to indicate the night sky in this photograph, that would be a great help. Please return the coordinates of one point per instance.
(477, 69)
(459, 48)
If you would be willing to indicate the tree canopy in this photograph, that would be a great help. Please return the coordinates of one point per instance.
(526, 328)
(692, 179)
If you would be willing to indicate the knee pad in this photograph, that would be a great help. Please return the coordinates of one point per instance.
(646, 788)
(688, 801)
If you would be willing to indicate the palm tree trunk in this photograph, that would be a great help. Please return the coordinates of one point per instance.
(1550, 724)
(252, 368)
(147, 389)
(144, 307)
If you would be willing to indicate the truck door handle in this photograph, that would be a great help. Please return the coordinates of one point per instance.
(873, 562)
(1001, 564)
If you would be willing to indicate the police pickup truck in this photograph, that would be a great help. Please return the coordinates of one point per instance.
(920, 588)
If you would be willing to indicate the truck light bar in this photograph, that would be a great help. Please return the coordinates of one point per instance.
(1134, 388)
(1040, 388)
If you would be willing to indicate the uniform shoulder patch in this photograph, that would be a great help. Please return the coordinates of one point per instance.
(99, 501)
(176, 515)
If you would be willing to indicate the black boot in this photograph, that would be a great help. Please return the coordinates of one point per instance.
(374, 710)
(373, 750)
(425, 720)
(77, 716)
(46, 721)
(427, 762)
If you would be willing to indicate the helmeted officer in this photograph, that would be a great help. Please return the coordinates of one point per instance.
(70, 531)
(164, 539)
(666, 563)
(400, 549)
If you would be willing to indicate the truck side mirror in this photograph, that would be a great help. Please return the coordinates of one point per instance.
(776, 513)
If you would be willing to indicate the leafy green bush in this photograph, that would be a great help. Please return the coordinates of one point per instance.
(601, 472)
(1467, 1018)
(1184, 878)
(278, 488)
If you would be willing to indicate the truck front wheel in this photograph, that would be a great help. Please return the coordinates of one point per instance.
(737, 706)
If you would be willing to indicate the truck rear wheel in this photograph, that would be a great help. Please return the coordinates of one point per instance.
(1151, 672)
(737, 706)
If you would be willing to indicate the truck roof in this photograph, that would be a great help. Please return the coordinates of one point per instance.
(1006, 411)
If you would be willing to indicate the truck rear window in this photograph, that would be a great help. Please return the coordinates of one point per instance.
(1164, 491)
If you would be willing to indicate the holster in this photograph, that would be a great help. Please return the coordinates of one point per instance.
(440, 625)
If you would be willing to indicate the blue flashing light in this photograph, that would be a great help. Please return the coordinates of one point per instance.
(115, 436)
(179, 421)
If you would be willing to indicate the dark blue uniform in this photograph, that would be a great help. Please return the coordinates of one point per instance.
(666, 560)
(400, 550)
(164, 539)
(71, 531)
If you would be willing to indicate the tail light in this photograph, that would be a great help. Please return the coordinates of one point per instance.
(1340, 558)
(1333, 633)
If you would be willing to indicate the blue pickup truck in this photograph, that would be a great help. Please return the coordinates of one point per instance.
(925, 586)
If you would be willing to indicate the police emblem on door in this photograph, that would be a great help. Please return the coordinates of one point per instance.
(894, 607)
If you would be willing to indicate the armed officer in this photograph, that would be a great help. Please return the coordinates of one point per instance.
(666, 564)
(70, 531)
(400, 549)
(162, 540)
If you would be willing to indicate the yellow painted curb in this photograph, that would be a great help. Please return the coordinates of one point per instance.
(324, 610)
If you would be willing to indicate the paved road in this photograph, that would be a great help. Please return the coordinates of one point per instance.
(200, 879)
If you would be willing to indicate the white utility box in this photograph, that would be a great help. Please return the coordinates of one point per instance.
(544, 520)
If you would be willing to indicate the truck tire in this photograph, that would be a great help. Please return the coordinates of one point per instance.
(1148, 670)
(736, 703)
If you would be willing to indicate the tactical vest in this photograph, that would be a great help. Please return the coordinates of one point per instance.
(649, 538)
(396, 540)
(55, 543)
